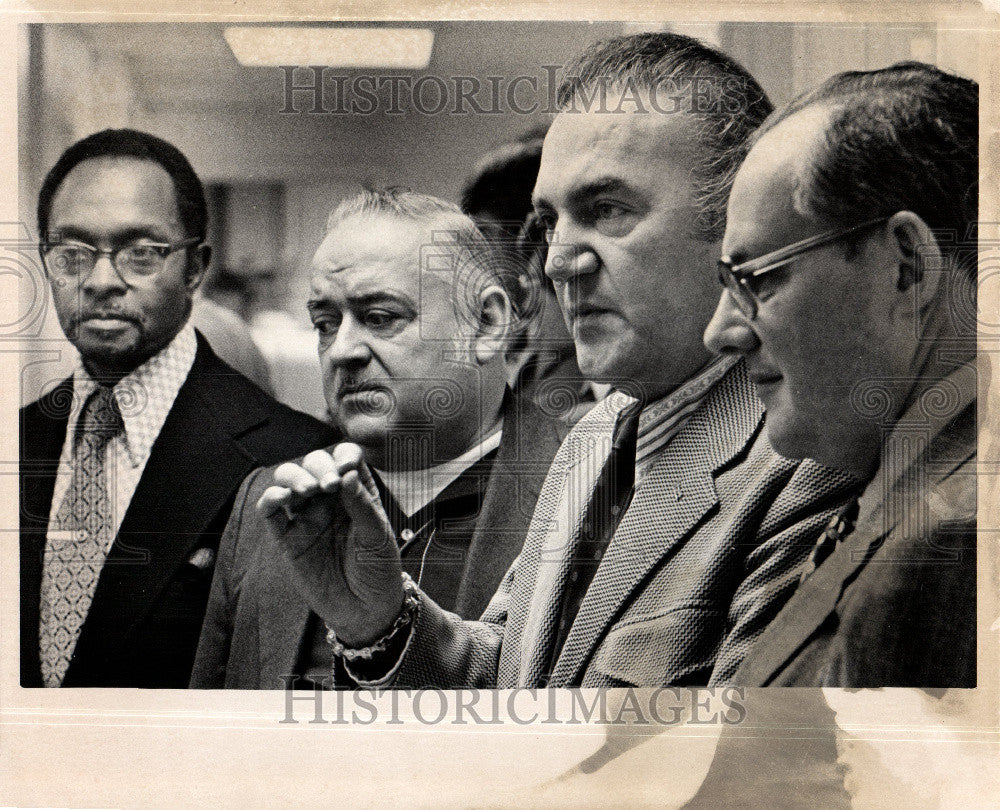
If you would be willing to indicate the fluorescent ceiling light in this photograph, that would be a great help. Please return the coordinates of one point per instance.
(406, 48)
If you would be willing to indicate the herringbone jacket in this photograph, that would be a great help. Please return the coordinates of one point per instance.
(706, 554)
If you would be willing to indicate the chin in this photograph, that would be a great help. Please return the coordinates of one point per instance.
(786, 442)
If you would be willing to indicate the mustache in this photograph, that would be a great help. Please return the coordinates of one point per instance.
(353, 385)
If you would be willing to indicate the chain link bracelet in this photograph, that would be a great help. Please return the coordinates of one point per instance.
(411, 605)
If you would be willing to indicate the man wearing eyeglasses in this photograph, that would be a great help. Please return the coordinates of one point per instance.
(129, 467)
(850, 290)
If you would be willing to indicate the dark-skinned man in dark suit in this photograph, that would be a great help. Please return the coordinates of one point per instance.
(128, 468)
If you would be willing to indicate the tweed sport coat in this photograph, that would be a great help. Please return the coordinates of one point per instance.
(257, 628)
(144, 621)
(895, 603)
(705, 555)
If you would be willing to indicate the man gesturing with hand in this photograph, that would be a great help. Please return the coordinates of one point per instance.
(328, 517)
(439, 476)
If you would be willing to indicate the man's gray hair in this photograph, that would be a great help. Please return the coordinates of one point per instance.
(480, 263)
(713, 89)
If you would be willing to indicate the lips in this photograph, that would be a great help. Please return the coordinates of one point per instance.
(109, 318)
(587, 310)
(354, 389)
(764, 377)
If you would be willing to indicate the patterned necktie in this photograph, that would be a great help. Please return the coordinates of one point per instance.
(611, 497)
(75, 552)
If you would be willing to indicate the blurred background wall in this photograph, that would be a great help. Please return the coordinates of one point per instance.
(273, 170)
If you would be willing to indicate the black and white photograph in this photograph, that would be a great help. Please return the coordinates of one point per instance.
(482, 412)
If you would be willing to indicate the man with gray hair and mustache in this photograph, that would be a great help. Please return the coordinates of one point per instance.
(411, 318)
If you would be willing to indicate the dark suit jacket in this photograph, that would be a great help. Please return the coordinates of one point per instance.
(143, 624)
(258, 628)
(895, 603)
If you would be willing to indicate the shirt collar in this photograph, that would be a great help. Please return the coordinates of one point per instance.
(414, 489)
(145, 395)
(661, 419)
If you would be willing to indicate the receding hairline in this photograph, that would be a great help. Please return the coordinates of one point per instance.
(117, 159)
(800, 160)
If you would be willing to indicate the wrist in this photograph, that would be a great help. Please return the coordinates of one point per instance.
(351, 650)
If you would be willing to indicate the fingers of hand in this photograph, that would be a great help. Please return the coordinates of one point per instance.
(348, 456)
(324, 469)
(298, 479)
(274, 500)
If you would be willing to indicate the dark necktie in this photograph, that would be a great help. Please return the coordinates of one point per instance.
(611, 497)
(75, 552)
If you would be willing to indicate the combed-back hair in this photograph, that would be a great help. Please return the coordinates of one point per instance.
(903, 138)
(695, 80)
(479, 263)
(131, 143)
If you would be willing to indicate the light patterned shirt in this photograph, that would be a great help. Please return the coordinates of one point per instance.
(663, 419)
(144, 397)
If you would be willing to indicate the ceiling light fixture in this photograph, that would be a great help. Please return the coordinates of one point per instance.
(262, 46)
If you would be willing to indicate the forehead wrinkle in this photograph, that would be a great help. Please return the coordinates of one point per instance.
(611, 149)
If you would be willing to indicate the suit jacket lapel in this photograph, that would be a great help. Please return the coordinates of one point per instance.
(42, 432)
(548, 547)
(669, 504)
(529, 442)
(817, 597)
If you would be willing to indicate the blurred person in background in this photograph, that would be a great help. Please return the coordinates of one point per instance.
(219, 314)
(541, 356)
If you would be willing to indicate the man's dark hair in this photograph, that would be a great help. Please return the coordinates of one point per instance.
(707, 85)
(903, 138)
(502, 181)
(130, 143)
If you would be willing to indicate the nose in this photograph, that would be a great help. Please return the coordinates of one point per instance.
(103, 278)
(568, 259)
(349, 347)
(729, 332)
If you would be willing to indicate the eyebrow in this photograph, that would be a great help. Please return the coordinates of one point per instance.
(118, 237)
(590, 189)
(365, 300)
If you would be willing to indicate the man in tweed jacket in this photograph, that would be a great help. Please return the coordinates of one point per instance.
(631, 191)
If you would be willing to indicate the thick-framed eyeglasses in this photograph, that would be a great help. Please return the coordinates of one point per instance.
(739, 278)
(70, 259)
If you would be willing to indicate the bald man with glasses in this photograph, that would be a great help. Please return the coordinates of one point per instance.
(850, 293)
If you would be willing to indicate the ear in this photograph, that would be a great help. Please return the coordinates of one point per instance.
(917, 256)
(197, 264)
(495, 323)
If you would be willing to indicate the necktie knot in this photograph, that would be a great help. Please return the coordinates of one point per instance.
(837, 529)
(626, 430)
(101, 415)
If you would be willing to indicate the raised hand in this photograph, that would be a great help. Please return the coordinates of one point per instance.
(327, 516)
